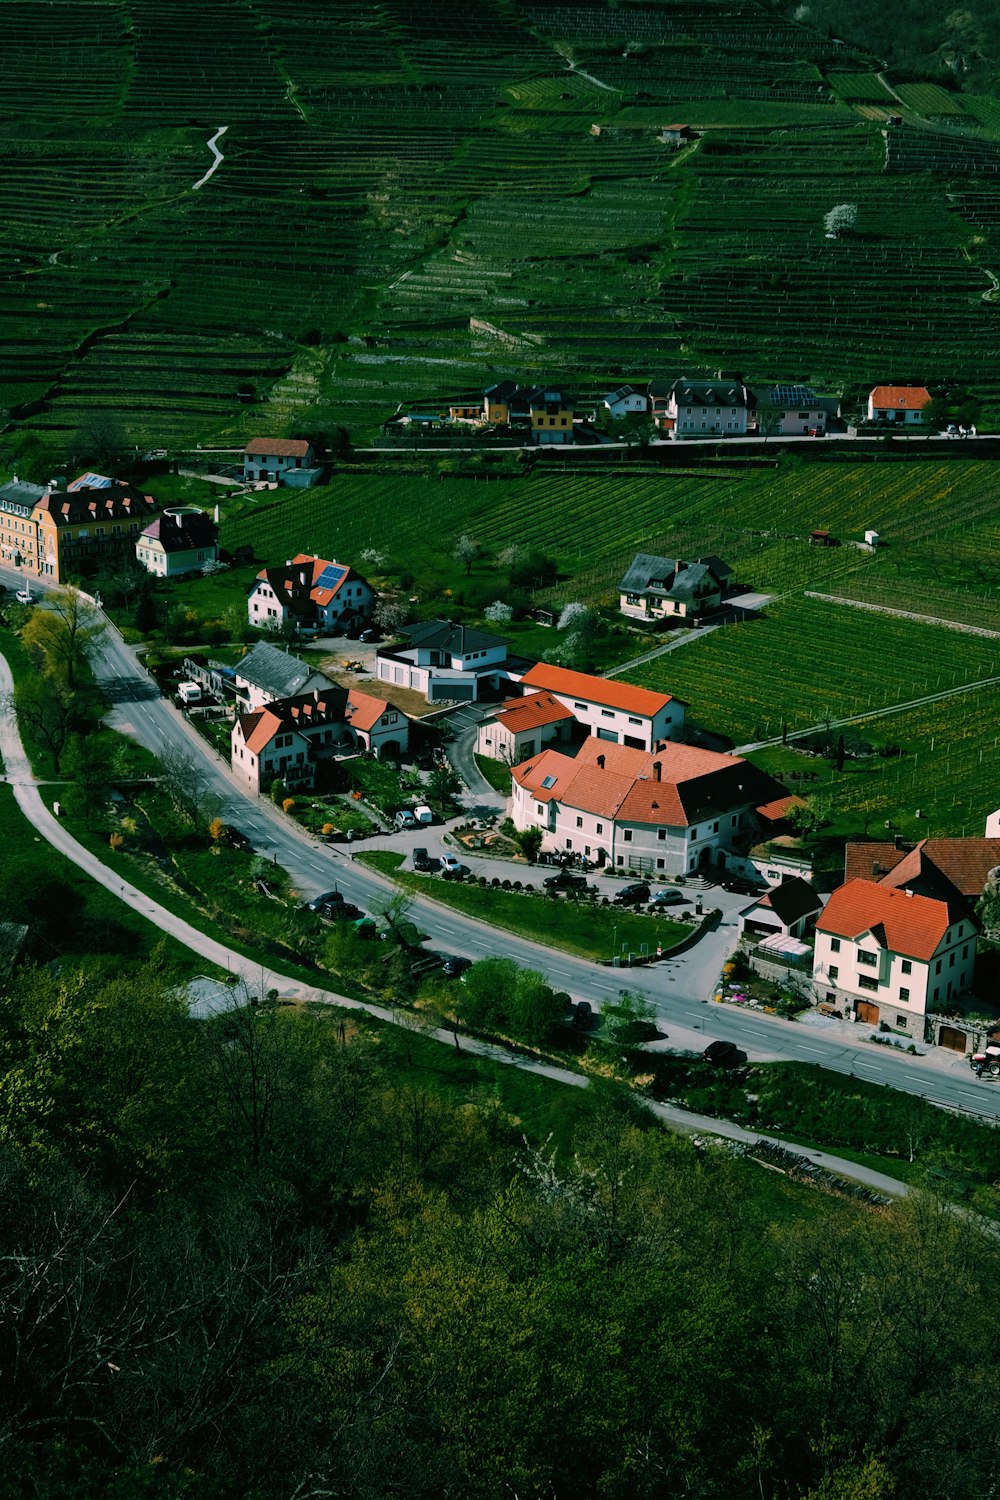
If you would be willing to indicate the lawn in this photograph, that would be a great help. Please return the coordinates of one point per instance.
(580, 927)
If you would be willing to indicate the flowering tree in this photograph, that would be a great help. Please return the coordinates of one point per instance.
(498, 613)
(841, 220)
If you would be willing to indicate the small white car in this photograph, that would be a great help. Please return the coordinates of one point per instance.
(23, 596)
(452, 866)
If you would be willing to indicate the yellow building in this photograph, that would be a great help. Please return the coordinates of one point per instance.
(551, 416)
(18, 529)
(91, 522)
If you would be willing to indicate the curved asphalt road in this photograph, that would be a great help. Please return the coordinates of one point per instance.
(678, 988)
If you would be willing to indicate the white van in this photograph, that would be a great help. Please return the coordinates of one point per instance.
(189, 692)
(423, 814)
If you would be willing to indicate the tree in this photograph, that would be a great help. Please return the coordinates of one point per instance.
(443, 787)
(465, 551)
(487, 992)
(535, 1009)
(374, 557)
(50, 712)
(394, 908)
(93, 761)
(988, 906)
(529, 841)
(769, 420)
(936, 414)
(101, 443)
(61, 637)
(498, 613)
(631, 1018)
(571, 614)
(389, 614)
(840, 220)
(188, 784)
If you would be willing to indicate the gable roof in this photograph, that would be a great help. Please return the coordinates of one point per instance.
(603, 690)
(774, 812)
(446, 635)
(521, 714)
(677, 786)
(364, 710)
(76, 506)
(899, 920)
(182, 531)
(622, 393)
(279, 673)
(965, 863)
(901, 397)
(277, 448)
(21, 494)
(307, 580)
(502, 391)
(302, 712)
(790, 901)
(671, 578)
(709, 392)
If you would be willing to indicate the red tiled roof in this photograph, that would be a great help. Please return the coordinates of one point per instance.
(613, 694)
(520, 714)
(287, 584)
(901, 397)
(277, 448)
(363, 710)
(901, 921)
(773, 812)
(296, 714)
(613, 780)
(965, 862)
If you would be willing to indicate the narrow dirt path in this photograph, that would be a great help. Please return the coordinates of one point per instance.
(219, 158)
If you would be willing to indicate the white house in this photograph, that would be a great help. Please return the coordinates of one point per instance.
(626, 401)
(898, 403)
(788, 910)
(663, 813)
(666, 588)
(292, 737)
(706, 408)
(312, 594)
(609, 709)
(182, 540)
(444, 661)
(273, 458)
(791, 411)
(521, 727)
(886, 953)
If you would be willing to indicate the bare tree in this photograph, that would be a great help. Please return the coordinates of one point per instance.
(188, 784)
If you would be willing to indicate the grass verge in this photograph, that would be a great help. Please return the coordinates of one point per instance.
(577, 927)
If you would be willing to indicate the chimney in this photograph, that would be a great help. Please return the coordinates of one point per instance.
(315, 695)
(657, 770)
(600, 762)
(179, 518)
(216, 515)
(907, 891)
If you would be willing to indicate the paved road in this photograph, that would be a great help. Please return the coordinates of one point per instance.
(678, 988)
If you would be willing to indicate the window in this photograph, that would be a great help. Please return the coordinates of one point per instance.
(835, 945)
(569, 843)
(600, 828)
(579, 822)
(607, 713)
(580, 705)
(965, 951)
(548, 781)
(865, 982)
(715, 827)
(633, 719)
(904, 995)
(661, 834)
(951, 961)
(869, 959)
(734, 820)
(937, 967)
(627, 835)
(834, 973)
(539, 808)
(661, 864)
(906, 966)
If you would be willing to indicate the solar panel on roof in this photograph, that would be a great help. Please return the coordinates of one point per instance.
(91, 482)
(331, 576)
(793, 395)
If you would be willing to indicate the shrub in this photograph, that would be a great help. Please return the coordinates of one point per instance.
(288, 805)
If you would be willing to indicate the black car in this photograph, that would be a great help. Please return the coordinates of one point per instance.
(455, 965)
(583, 1015)
(565, 881)
(632, 895)
(370, 636)
(739, 886)
(421, 860)
(328, 898)
(340, 911)
(237, 840)
(722, 1054)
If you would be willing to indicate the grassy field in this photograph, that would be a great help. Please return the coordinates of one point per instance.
(578, 927)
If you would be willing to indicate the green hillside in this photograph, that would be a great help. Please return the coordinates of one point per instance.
(416, 200)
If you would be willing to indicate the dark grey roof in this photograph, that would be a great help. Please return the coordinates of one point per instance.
(792, 900)
(183, 530)
(671, 578)
(20, 492)
(709, 392)
(445, 635)
(502, 390)
(278, 673)
(621, 393)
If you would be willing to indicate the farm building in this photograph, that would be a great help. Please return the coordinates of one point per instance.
(518, 729)
(666, 588)
(267, 673)
(292, 737)
(275, 458)
(789, 909)
(897, 403)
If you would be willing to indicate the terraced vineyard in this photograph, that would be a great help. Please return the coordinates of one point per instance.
(414, 200)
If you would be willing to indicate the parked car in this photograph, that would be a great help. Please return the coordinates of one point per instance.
(421, 860)
(722, 1054)
(340, 911)
(454, 965)
(739, 885)
(667, 898)
(583, 1015)
(328, 898)
(565, 881)
(404, 819)
(370, 636)
(423, 814)
(24, 596)
(452, 866)
(632, 895)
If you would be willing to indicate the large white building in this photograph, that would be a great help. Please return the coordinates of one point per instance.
(444, 661)
(703, 408)
(610, 710)
(666, 812)
(887, 954)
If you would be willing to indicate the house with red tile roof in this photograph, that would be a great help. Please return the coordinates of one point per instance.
(888, 954)
(522, 726)
(311, 594)
(291, 738)
(276, 458)
(947, 868)
(611, 710)
(666, 812)
(898, 403)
